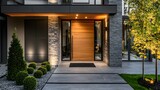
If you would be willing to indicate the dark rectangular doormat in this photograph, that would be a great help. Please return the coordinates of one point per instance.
(82, 65)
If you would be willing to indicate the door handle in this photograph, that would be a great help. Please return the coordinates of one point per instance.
(72, 47)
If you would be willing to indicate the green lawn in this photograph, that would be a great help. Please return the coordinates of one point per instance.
(131, 79)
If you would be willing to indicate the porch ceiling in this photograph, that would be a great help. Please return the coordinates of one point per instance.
(62, 16)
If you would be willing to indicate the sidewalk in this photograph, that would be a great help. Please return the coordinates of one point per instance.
(99, 78)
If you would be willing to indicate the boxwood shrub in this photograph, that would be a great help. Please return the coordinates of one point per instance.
(20, 77)
(30, 83)
(45, 63)
(33, 65)
(48, 67)
(38, 74)
(43, 69)
(30, 70)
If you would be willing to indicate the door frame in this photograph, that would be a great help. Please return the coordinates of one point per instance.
(70, 20)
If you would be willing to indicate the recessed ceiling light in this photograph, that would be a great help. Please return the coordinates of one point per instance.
(77, 15)
(86, 17)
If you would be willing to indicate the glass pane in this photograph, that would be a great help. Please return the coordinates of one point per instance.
(98, 2)
(66, 50)
(98, 40)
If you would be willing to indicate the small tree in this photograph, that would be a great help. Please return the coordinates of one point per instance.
(16, 62)
(138, 20)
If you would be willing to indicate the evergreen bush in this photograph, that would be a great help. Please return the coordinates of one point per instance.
(38, 74)
(30, 83)
(16, 61)
(33, 65)
(30, 70)
(43, 69)
(20, 77)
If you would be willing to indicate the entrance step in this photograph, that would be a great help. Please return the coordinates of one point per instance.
(87, 87)
(86, 79)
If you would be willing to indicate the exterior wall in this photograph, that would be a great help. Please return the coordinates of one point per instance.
(54, 40)
(54, 47)
(15, 25)
(115, 36)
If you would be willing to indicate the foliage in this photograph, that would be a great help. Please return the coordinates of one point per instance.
(30, 70)
(43, 69)
(46, 65)
(38, 74)
(33, 65)
(20, 77)
(30, 83)
(16, 62)
(131, 79)
(145, 27)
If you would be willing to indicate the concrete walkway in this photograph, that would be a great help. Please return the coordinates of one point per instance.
(99, 78)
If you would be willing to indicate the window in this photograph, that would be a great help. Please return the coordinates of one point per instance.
(66, 40)
(98, 40)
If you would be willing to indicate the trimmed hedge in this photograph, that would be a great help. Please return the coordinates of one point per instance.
(30, 83)
(30, 70)
(38, 74)
(43, 69)
(33, 65)
(20, 77)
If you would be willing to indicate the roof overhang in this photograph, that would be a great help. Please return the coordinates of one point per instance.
(98, 9)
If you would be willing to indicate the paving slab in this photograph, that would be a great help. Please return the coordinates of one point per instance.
(86, 78)
(101, 67)
(87, 87)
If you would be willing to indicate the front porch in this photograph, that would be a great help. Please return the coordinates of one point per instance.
(43, 37)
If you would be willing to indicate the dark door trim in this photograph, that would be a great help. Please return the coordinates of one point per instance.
(70, 20)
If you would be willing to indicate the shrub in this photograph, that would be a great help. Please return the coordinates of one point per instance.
(30, 70)
(48, 67)
(16, 61)
(43, 69)
(30, 83)
(20, 77)
(33, 65)
(38, 74)
(45, 63)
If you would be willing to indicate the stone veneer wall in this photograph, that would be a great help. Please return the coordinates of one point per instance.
(115, 36)
(53, 40)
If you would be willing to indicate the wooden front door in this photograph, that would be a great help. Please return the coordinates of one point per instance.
(82, 40)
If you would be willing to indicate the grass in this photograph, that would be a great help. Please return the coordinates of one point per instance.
(131, 79)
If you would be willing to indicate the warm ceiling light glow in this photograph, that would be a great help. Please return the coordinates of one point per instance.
(52, 1)
(77, 15)
(86, 17)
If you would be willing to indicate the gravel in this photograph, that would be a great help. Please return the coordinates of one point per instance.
(11, 85)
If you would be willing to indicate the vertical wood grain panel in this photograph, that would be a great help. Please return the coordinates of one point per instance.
(83, 40)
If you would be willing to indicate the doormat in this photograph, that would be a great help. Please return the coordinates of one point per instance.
(82, 65)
